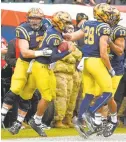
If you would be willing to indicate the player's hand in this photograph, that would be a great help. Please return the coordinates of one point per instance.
(111, 72)
(71, 47)
(67, 36)
(110, 56)
(109, 40)
(46, 52)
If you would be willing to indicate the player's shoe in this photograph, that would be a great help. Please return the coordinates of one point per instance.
(2, 125)
(14, 129)
(109, 129)
(45, 127)
(93, 128)
(79, 127)
(37, 128)
(104, 122)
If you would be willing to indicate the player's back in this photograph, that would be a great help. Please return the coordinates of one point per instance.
(93, 30)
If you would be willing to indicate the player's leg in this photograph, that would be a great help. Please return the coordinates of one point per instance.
(110, 128)
(99, 72)
(44, 81)
(88, 90)
(18, 82)
(24, 104)
(103, 79)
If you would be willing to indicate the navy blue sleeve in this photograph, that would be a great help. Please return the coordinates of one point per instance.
(57, 56)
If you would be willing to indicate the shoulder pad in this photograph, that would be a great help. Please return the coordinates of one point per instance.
(103, 29)
(22, 33)
(118, 31)
(53, 39)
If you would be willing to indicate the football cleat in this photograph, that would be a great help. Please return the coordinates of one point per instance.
(14, 129)
(93, 128)
(79, 127)
(2, 125)
(109, 129)
(104, 124)
(45, 127)
(38, 128)
(89, 121)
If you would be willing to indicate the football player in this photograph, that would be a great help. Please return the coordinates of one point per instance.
(42, 67)
(97, 66)
(117, 46)
(42, 77)
(116, 51)
(30, 34)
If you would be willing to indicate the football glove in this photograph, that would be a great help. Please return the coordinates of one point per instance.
(45, 52)
(111, 72)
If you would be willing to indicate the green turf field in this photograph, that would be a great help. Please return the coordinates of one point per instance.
(29, 133)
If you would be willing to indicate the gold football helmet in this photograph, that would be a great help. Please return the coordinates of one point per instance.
(115, 16)
(34, 16)
(103, 12)
(61, 19)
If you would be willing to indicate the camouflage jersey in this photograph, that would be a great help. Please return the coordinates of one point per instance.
(68, 63)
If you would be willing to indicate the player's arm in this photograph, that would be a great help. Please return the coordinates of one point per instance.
(74, 36)
(24, 45)
(118, 46)
(103, 51)
(57, 56)
(27, 53)
(54, 42)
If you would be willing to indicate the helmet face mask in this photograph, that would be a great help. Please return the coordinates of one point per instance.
(61, 20)
(34, 17)
(69, 29)
(35, 23)
(115, 17)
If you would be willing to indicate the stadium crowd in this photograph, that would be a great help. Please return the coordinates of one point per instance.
(84, 2)
(54, 71)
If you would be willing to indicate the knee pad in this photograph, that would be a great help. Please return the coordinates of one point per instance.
(24, 105)
(9, 98)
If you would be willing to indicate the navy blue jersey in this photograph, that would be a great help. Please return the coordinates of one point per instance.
(79, 42)
(46, 22)
(93, 30)
(118, 61)
(52, 40)
(34, 38)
